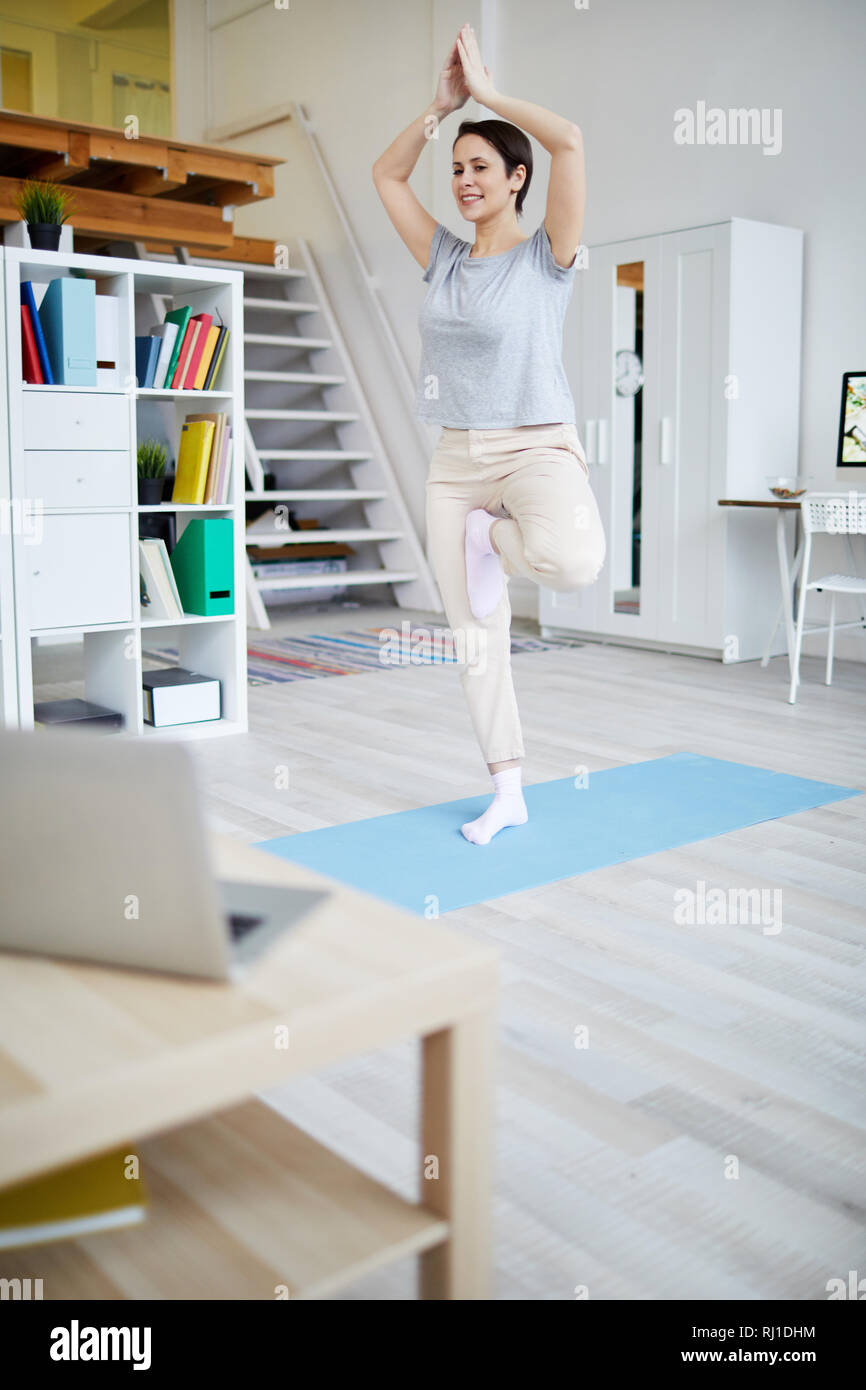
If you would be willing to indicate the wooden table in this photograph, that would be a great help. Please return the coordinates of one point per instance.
(242, 1202)
(787, 573)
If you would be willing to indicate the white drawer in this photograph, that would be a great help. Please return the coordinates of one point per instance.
(75, 420)
(80, 571)
(78, 477)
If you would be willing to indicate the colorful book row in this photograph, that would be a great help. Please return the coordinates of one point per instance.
(182, 354)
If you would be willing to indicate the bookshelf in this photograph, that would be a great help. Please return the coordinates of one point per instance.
(8, 666)
(71, 466)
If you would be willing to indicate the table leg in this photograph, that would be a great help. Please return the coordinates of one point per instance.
(456, 1142)
(787, 578)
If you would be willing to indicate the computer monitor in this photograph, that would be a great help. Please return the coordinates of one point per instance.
(851, 452)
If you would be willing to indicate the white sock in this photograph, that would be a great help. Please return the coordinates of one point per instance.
(506, 808)
(484, 577)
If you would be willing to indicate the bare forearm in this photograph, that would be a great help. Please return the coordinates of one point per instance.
(552, 131)
(401, 156)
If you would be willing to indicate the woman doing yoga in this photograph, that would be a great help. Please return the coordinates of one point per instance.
(508, 490)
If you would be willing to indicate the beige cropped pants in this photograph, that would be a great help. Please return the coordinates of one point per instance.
(536, 476)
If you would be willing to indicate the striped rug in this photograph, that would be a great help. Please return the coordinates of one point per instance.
(277, 660)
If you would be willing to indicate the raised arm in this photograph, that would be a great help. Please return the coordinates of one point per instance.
(563, 140)
(392, 169)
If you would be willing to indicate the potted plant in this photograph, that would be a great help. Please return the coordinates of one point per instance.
(44, 207)
(152, 458)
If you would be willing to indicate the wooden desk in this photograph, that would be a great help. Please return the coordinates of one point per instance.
(242, 1203)
(787, 573)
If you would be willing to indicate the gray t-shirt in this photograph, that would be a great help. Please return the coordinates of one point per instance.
(491, 336)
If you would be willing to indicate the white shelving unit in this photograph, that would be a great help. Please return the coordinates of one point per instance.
(72, 468)
(8, 521)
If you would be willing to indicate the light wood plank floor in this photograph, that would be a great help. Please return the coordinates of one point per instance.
(708, 1142)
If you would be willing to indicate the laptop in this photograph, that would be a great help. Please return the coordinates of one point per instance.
(104, 857)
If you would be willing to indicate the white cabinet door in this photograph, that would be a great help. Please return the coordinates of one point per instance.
(691, 460)
(79, 572)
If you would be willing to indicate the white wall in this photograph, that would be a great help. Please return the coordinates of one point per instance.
(620, 70)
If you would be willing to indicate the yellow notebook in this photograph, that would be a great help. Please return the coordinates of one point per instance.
(193, 457)
(96, 1195)
(210, 343)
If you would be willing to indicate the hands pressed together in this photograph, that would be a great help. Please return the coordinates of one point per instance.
(463, 75)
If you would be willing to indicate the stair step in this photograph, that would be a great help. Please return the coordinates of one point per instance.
(335, 416)
(317, 455)
(317, 494)
(252, 270)
(297, 378)
(277, 340)
(290, 306)
(312, 535)
(326, 581)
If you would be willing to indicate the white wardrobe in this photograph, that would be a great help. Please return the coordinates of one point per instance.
(714, 315)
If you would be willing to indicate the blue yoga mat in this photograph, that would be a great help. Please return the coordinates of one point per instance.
(419, 859)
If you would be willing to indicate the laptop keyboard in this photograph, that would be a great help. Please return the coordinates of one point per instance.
(240, 923)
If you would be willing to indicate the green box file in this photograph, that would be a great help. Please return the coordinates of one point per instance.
(203, 564)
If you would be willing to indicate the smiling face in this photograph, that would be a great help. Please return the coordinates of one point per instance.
(479, 181)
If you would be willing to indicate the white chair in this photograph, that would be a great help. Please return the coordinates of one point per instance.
(834, 514)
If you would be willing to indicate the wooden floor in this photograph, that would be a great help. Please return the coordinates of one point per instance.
(709, 1141)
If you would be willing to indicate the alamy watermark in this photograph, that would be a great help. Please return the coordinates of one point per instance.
(719, 907)
(736, 126)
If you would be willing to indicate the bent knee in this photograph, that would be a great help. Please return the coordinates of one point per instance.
(572, 569)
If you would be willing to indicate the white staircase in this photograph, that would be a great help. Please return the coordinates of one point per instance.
(309, 425)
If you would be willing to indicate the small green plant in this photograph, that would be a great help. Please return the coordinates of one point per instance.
(152, 458)
(43, 202)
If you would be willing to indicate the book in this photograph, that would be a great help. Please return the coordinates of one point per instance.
(68, 317)
(221, 491)
(95, 1195)
(219, 353)
(175, 695)
(193, 456)
(167, 334)
(28, 298)
(220, 420)
(30, 368)
(72, 712)
(157, 589)
(204, 322)
(208, 352)
(107, 335)
(210, 494)
(146, 354)
(186, 348)
(180, 318)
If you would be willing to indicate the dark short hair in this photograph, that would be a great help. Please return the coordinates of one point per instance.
(510, 141)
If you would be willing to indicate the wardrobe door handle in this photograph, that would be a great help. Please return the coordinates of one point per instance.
(592, 441)
(665, 437)
(602, 441)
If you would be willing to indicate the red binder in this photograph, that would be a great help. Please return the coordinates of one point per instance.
(31, 370)
(195, 356)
